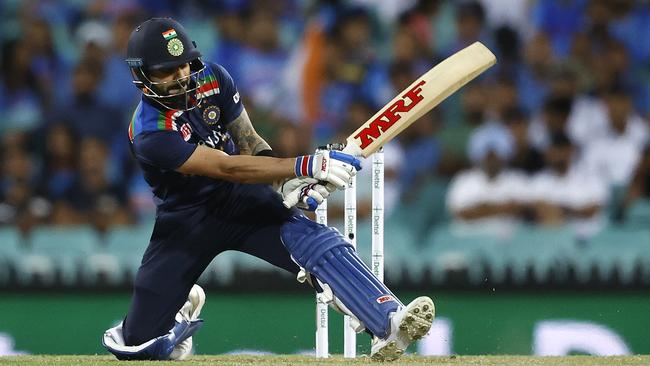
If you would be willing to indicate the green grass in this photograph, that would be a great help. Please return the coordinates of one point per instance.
(336, 360)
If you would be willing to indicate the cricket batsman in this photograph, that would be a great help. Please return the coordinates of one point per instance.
(211, 175)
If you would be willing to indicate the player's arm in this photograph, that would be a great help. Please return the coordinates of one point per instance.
(332, 167)
(245, 136)
(237, 168)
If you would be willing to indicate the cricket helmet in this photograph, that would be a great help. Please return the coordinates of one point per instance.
(161, 44)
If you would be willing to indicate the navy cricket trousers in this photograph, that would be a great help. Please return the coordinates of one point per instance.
(245, 218)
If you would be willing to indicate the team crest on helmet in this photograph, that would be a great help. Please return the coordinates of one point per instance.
(175, 47)
(211, 115)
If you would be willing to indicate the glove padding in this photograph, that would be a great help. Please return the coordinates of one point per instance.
(332, 167)
(305, 193)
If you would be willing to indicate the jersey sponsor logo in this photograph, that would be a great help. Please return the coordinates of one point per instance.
(175, 47)
(390, 115)
(385, 298)
(216, 141)
(235, 98)
(186, 131)
(211, 115)
(323, 164)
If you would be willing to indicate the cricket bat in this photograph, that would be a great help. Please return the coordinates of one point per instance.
(421, 96)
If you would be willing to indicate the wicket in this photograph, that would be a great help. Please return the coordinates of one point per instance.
(350, 232)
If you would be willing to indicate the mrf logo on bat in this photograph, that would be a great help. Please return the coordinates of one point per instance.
(390, 115)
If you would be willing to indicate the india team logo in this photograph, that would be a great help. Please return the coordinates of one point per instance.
(211, 115)
(175, 47)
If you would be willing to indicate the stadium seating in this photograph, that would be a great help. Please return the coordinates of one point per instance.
(613, 252)
(542, 251)
(128, 244)
(399, 243)
(447, 252)
(221, 270)
(10, 250)
(638, 215)
(419, 213)
(76, 256)
(56, 253)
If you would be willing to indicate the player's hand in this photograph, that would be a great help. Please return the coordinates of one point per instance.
(332, 167)
(304, 192)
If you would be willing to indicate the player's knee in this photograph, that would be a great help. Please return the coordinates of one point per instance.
(308, 241)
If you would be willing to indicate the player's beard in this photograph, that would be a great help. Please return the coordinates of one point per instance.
(181, 96)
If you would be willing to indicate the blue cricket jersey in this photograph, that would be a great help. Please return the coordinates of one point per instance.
(162, 140)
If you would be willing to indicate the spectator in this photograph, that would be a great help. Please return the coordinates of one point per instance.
(288, 140)
(502, 97)
(59, 167)
(507, 45)
(566, 193)
(20, 97)
(532, 77)
(491, 132)
(116, 90)
(525, 157)
(45, 63)
(18, 206)
(565, 82)
(470, 25)
(262, 60)
(561, 20)
(552, 121)
(408, 49)
(88, 116)
(513, 14)
(454, 137)
(616, 155)
(92, 199)
(348, 58)
(638, 192)
(420, 141)
(489, 195)
(229, 22)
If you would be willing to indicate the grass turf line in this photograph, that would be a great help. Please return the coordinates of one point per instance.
(336, 360)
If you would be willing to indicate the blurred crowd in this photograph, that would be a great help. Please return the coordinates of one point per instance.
(556, 133)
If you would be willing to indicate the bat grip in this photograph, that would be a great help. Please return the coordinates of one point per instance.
(338, 146)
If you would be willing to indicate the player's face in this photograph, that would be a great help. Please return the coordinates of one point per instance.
(172, 81)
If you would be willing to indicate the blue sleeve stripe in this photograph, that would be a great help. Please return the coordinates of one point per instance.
(297, 167)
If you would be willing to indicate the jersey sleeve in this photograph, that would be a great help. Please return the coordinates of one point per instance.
(229, 98)
(163, 149)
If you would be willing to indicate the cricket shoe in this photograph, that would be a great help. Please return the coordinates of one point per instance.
(407, 325)
(190, 311)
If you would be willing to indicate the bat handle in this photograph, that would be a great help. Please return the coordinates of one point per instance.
(334, 146)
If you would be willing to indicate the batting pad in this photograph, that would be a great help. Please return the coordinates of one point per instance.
(325, 253)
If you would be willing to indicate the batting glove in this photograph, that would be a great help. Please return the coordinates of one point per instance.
(305, 193)
(332, 167)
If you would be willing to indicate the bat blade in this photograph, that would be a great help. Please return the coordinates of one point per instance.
(421, 96)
